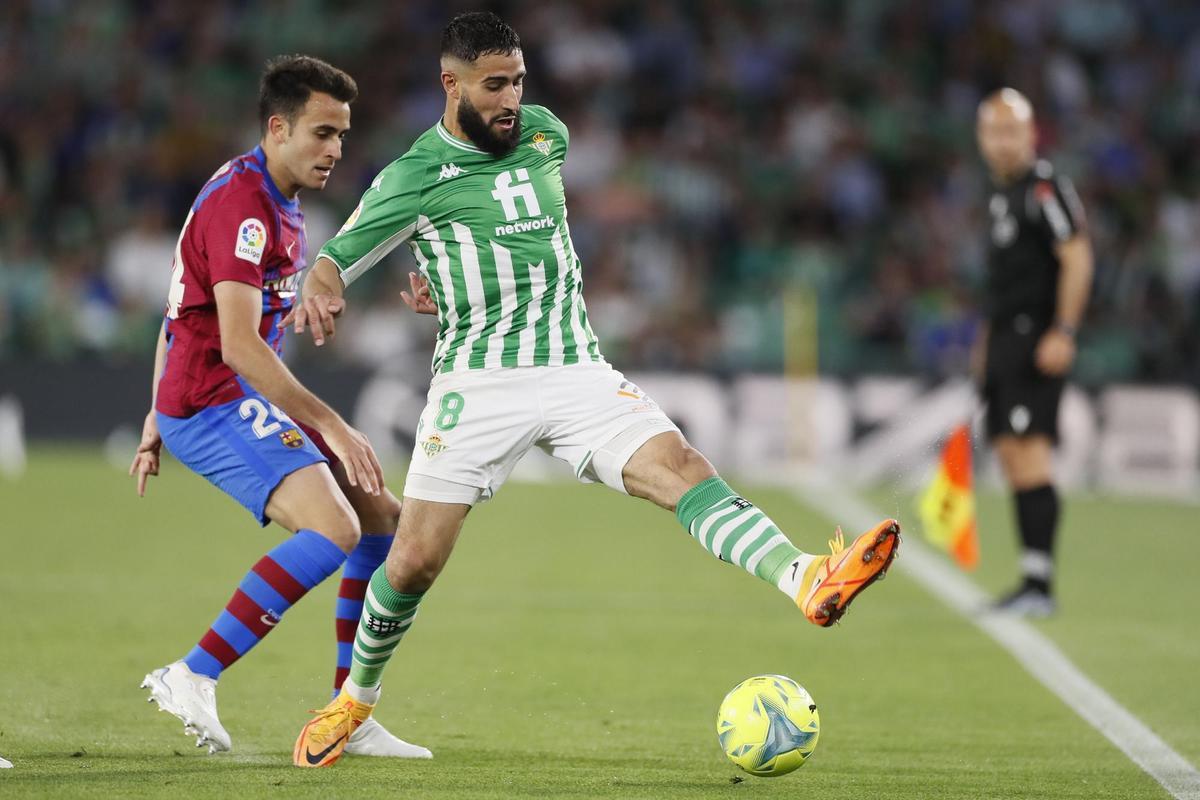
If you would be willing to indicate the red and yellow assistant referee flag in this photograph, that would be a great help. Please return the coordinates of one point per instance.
(947, 508)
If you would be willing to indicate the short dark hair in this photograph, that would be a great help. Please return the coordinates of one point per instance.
(288, 82)
(478, 33)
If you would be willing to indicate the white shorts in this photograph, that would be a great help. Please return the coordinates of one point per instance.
(477, 424)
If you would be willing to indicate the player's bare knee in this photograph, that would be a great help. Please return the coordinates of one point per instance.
(1026, 479)
(1026, 462)
(691, 465)
(382, 515)
(391, 513)
(412, 569)
(341, 527)
(669, 476)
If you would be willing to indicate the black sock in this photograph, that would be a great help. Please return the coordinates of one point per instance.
(1037, 518)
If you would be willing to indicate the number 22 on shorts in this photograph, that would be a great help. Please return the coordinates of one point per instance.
(449, 409)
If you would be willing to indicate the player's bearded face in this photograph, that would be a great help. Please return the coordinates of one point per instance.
(499, 134)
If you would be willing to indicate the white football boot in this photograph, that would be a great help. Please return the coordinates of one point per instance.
(372, 739)
(6, 764)
(192, 698)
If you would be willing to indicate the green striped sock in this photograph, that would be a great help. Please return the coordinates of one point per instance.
(386, 617)
(738, 532)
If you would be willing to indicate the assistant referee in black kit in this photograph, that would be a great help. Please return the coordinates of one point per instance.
(1039, 276)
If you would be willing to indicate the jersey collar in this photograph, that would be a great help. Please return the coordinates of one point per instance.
(260, 158)
(452, 140)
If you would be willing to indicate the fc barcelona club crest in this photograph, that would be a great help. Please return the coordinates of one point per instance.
(540, 143)
(292, 438)
(433, 445)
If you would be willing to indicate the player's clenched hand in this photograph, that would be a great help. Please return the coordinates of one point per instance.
(1055, 352)
(419, 300)
(317, 313)
(145, 461)
(357, 456)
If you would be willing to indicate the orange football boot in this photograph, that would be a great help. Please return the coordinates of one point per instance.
(834, 580)
(324, 738)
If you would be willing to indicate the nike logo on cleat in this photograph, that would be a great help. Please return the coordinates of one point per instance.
(316, 759)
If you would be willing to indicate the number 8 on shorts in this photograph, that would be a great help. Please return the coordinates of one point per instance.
(448, 411)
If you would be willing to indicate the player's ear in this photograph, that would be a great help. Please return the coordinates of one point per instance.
(278, 128)
(450, 83)
(452, 72)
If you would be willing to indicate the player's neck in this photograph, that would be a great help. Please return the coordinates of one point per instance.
(450, 123)
(1015, 174)
(279, 175)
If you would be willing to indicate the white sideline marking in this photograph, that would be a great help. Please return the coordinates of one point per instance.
(1037, 654)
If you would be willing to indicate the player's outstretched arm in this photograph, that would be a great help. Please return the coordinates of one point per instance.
(145, 461)
(239, 311)
(320, 302)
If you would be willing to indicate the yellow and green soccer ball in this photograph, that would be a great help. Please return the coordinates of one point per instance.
(768, 725)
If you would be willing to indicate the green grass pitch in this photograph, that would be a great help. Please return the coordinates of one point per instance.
(576, 647)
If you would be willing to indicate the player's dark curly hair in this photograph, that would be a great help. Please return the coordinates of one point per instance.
(478, 33)
(288, 81)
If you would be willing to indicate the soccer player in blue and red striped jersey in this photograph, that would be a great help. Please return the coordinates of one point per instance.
(226, 406)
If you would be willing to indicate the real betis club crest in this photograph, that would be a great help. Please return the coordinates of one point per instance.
(433, 445)
(540, 143)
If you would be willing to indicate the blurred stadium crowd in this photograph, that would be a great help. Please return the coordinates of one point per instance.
(733, 166)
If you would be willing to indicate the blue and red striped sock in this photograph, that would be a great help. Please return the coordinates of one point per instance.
(360, 566)
(271, 587)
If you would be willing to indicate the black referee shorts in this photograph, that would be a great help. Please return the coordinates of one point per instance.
(1020, 399)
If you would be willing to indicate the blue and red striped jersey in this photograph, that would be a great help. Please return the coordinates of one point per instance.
(240, 228)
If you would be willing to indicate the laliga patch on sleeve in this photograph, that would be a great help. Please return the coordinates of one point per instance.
(251, 241)
(353, 219)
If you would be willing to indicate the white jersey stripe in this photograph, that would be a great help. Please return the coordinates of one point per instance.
(445, 285)
(560, 296)
(537, 288)
(508, 305)
(584, 337)
(576, 312)
(423, 268)
(469, 256)
(588, 347)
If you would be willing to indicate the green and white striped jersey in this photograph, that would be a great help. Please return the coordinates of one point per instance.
(490, 234)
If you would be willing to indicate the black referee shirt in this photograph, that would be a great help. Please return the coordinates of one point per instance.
(1028, 218)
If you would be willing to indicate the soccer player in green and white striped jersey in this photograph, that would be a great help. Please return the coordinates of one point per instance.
(490, 235)
(478, 200)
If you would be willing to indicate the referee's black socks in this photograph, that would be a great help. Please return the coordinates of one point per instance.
(1037, 518)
